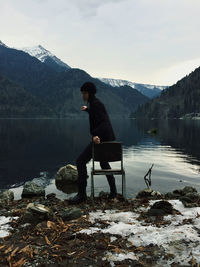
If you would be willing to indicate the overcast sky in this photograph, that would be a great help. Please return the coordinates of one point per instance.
(144, 41)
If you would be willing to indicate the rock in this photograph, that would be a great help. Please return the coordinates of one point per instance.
(67, 174)
(178, 192)
(171, 195)
(71, 214)
(67, 188)
(160, 208)
(31, 190)
(189, 189)
(156, 212)
(7, 195)
(190, 197)
(36, 212)
(148, 193)
(186, 190)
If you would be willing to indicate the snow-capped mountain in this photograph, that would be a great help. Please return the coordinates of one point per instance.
(2, 44)
(148, 90)
(46, 57)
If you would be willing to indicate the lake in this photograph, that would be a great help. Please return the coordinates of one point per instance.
(37, 148)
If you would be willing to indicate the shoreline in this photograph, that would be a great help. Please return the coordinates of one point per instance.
(102, 233)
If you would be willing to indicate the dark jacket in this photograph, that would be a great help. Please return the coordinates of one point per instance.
(99, 121)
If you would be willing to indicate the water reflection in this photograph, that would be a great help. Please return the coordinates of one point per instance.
(29, 147)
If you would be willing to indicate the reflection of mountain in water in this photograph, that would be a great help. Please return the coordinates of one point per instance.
(183, 135)
(28, 147)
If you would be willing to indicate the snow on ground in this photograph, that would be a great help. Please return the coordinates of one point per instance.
(4, 225)
(180, 237)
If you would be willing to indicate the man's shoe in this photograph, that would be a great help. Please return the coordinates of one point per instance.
(77, 199)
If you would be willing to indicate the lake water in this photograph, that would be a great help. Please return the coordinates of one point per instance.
(37, 148)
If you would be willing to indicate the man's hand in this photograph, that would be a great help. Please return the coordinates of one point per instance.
(96, 139)
(83, 107)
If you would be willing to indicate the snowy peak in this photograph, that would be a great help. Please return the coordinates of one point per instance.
(38, 51)
(46, 57)
(2, 44)
(146, 89)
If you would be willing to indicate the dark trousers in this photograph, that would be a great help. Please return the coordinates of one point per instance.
(81, 162)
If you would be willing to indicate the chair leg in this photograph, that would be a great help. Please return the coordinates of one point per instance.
(92, 186)
(124, 186)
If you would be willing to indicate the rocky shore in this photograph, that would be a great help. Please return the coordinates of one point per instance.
(149, 230)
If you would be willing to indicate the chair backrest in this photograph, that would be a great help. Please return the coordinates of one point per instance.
(107, 151)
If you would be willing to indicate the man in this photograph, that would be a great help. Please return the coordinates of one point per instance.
(101, 130)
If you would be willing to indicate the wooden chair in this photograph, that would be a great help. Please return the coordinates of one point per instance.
(107, 151)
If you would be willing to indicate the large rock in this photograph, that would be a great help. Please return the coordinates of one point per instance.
(160, 208)
(36, 212)
(71, 214)
(67, 174)
(32, 189)
(188, 195)
(5, 197)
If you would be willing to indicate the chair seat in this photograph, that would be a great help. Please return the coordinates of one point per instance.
(107, 171)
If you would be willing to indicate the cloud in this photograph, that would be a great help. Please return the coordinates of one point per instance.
(128, 39)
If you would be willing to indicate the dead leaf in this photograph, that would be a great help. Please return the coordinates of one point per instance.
(9, 249)
(117, 250)
(51, 224)
(9, 261)
(14, 251)
(24, 249)
(19, 263)
(35, 251)
(3, 246)
(193, 261)
(71, 253)
(140, 249)
(65, 229)
(27, 250)
(56, 246)
(47, 240)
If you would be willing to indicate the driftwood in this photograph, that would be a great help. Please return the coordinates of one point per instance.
(148, 179)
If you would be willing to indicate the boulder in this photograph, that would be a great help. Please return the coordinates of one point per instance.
(7, 195)
(186, 190)
(36, 212)
(32, 189)
(67, 174)
(71, 214)
(160, 208)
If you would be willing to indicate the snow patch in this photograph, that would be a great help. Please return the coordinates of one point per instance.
(179, 237)
(4, 225)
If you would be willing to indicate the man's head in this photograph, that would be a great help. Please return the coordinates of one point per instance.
(88, 90)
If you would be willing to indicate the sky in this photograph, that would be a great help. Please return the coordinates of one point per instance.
(143, 41)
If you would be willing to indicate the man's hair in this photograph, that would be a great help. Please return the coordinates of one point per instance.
(89, 87)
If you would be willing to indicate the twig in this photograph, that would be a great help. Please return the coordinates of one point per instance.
(148, 179)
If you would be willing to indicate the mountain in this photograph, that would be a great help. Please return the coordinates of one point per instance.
(148, 90)
(60, 91)
(51, 60)
(2, 44)
(179, 100)
(46, 57)
(15, 101)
